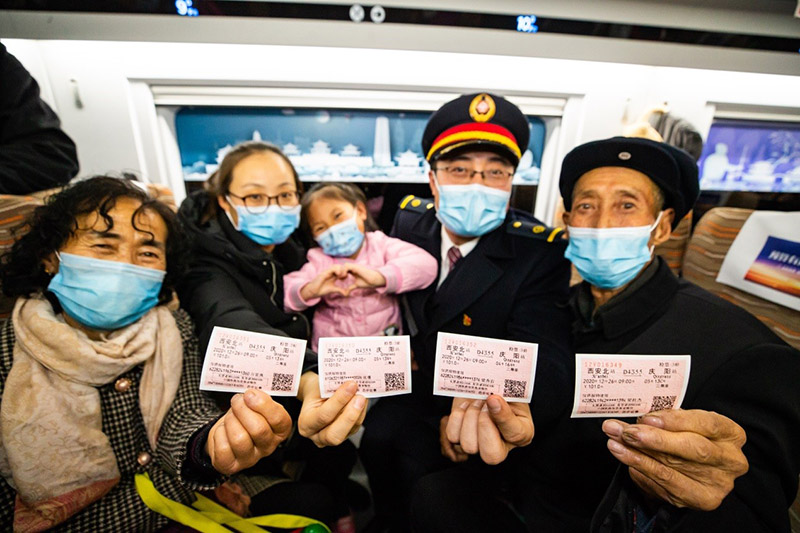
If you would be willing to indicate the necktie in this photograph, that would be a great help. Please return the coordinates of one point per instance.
(453, 255)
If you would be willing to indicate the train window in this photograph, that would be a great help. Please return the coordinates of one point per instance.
(376, 148)
(326, 144)
(750, 163)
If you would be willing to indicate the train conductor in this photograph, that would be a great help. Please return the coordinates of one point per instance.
(502, 274)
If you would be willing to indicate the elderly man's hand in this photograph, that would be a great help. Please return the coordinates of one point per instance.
(686, 458)
(491, 428)
(328, 422)
(251, 429)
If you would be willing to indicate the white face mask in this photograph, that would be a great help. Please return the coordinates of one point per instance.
(609, 258)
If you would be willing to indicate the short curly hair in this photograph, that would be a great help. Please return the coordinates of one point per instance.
(51, 226)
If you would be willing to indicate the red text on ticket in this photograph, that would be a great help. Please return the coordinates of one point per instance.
(628, 385)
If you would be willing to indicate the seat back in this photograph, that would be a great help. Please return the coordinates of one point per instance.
(14, 213)
(712, 238)
(674, 249)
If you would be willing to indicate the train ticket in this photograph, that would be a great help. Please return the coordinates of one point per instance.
(628, 385)
(380, 365)
(475, 367)
(238, 360)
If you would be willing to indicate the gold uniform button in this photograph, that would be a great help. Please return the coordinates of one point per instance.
(122, 385)
(429, 205)
(538, 229)
(416, 202)
(517, 224)
(144, 458)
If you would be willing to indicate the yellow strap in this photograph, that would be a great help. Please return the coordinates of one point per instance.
(285, 521)
(208, 515)
(174, 510)
(223, 515)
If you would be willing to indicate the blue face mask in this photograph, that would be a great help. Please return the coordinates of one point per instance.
(609, 258)
(273, 226)
(103, 294)
(342, 240)
(471, 210)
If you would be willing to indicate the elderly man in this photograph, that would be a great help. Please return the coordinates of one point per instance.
(502, 274)
(677, 467)
(671, 470)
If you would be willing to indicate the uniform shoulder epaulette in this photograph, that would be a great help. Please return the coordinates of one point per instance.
(534, 230)
(417, 205)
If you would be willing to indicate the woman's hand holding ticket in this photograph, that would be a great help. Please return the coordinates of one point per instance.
(328, 422)
(251, 429)
(686, 458)
(490, 428)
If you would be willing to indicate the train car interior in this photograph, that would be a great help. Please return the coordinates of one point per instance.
(160, 91)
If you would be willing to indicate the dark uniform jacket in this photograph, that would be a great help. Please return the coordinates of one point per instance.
(739, 368)
(170, 467)
(35, 154)
(232, 282)
(513, 285)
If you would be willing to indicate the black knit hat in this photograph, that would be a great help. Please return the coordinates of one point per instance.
(672, 169)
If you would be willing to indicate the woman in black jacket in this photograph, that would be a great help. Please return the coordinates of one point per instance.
(235, 281)
(242, 227)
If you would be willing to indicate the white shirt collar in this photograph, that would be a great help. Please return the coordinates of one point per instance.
(465, 249)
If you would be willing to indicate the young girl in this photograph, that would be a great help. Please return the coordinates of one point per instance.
(356, 271)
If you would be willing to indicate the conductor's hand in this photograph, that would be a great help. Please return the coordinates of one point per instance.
(491, 428)
(686, 458)
(251, 429)
(328, 422)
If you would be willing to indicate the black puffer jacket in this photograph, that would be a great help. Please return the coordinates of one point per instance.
(35, 154)
(232, 282)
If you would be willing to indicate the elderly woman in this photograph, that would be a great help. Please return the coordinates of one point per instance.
(100, 380)
(243, 229)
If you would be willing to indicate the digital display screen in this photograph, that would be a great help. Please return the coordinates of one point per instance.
(751, 156)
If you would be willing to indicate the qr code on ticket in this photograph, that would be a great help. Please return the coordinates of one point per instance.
(282, 382)
(394, 381)
(513, 388)
(663, 402)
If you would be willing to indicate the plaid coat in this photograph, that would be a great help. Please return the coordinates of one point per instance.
(122, 509)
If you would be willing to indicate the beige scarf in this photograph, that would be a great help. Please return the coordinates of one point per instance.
(52, 447)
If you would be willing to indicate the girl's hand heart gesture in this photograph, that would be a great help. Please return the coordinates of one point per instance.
(326, 282)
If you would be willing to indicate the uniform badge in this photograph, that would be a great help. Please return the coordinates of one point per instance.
(467, 321)
(482, 108)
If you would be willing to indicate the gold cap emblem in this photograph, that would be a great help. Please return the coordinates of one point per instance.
(482, 108)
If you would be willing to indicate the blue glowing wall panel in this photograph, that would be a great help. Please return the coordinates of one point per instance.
(325, 144)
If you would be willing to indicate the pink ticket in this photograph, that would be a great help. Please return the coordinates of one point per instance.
(238, 360)
(475, 367)
(380, 365)
(628, 385)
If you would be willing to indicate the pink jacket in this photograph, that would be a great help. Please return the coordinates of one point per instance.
(366, 312)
